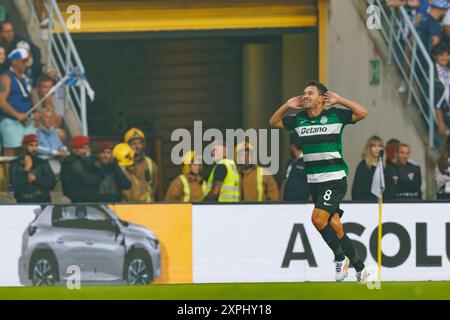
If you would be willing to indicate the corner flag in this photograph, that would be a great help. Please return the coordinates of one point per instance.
(377, 189)
(378, 178)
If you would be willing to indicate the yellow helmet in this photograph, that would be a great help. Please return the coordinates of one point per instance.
(133, 133)
(124, 155)
(188, 159)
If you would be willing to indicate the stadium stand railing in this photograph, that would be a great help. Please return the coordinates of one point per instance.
(64, 57)
(411, 57)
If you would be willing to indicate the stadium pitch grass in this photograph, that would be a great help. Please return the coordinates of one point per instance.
(247, 291)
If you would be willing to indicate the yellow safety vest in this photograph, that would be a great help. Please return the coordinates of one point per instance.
(229, 192)
(150, 168)
(259, 183)
(187, 189)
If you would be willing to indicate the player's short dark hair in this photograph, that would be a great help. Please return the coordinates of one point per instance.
(319, 85)
(294, 140)
(438, 49)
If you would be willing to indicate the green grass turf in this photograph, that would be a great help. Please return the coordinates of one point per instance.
(289, 291)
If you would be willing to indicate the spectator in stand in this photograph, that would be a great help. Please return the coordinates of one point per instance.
(403, 180)
(145, 168)
(79, 174)
(429, 27)
(361, 188)
(50, 143)
(442, 172)
(411, 7)
(59, 97)
(44, 85)
(15, 102)
(138, 192)
(31, 79)
(403, 33)
(114, 179)
(9, 39)
(391, 151)
(31, 177)
(430, 32)
(189, 186)
(446, 25)
(295, 185)
(422, 10)
(3, 62)
(442, 90)
(255, 183)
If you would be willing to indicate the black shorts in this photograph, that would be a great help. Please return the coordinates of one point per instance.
(328, 195)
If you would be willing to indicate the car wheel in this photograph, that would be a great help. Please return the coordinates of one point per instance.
(43, 271)
(138, 270)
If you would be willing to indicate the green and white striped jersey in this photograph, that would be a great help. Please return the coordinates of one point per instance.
(321, 141)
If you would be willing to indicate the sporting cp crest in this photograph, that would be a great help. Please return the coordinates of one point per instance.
(323, 120)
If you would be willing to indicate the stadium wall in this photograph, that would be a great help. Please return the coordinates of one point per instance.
(266, 242)
(351, 46)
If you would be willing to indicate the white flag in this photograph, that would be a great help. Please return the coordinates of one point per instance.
(378, 178)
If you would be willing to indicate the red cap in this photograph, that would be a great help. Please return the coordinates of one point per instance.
(29, 138)
(79, 141)
(105, 145)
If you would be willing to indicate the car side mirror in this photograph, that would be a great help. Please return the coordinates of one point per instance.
(37, 212)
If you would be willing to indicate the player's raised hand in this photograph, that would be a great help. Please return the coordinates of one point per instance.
(296, 103)
(332, 98)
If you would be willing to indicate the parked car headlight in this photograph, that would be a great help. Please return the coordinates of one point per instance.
(153, 242)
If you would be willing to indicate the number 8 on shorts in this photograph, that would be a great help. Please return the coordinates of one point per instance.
(327, 195)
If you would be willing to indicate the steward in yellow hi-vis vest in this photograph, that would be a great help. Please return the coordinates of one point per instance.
(223, 182)
(255, 183)
(144, 167)
(189, 186)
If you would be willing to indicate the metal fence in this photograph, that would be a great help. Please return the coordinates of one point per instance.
(63, 56)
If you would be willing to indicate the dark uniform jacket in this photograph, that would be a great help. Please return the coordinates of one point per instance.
(362, 184)
(39, 190)
(81, 179)
(113, 182)
(296, 188)
(403, 182)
